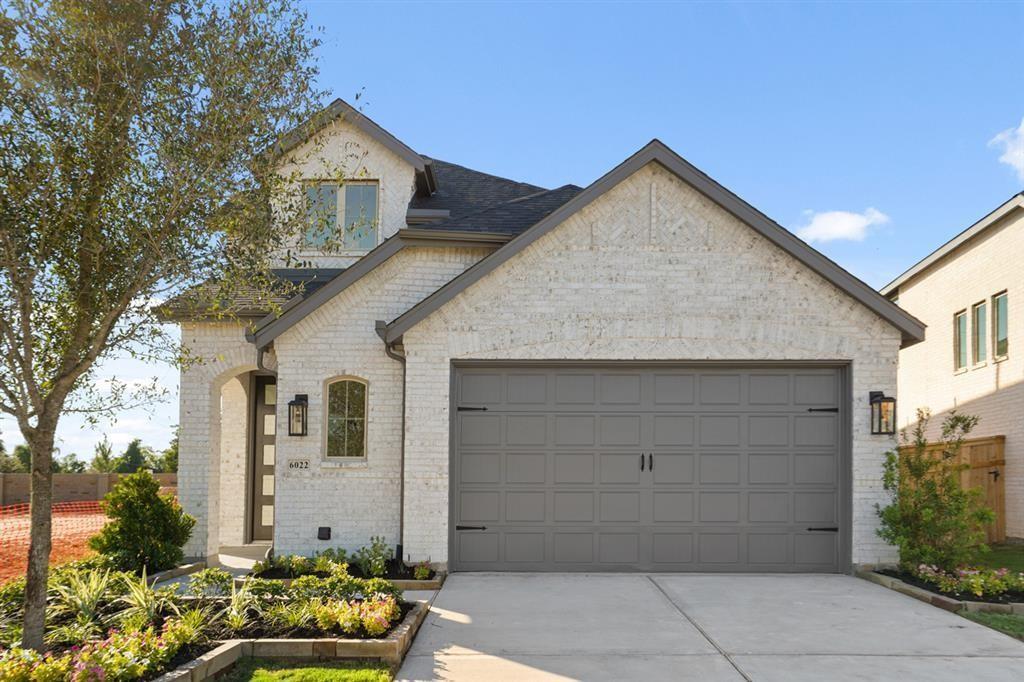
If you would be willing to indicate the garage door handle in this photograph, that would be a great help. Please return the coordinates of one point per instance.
(650, 462)
(462, 408)
(822, 409)
(829, 529)
(470, 527)
(641, 461)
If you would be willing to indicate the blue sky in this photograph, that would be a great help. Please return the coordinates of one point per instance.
(881, 123)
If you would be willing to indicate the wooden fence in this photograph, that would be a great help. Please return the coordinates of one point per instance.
(14, 488)
(987, 470)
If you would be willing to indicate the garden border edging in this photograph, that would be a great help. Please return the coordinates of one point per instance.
(434, 583)
(176, 572)
(390, 650)
(935, 599)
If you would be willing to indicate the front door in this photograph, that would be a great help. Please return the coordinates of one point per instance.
(264, 454)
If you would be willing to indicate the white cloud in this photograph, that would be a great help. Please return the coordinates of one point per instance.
(1011, 141)
(827, 226)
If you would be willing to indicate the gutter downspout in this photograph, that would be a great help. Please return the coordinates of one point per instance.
(381, 327)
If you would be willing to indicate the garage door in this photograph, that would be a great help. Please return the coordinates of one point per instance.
(646, 468)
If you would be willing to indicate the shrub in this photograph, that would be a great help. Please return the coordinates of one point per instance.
(421, 571)
(210, 582)
(147, 530)
(932, 519)
(373, 560)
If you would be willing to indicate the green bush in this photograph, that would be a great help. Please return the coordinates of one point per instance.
(146, 530)
(373, 560)
(932, 519)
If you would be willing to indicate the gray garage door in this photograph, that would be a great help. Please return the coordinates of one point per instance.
(646, 468)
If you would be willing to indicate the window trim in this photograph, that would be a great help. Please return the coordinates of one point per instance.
(325, 419)
(977, 347)
(996, 357)
(339, 214)
(957, 367)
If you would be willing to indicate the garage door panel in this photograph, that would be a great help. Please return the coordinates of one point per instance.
(620, 468)
(574, 468)
(573, 507)
(719, 430)
(674, 468)
(526, 429)
(526, 467)
(577, 430)
(480, 468)
(654, 469)
(720, 467)
(673, 430)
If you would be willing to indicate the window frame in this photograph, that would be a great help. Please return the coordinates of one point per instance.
(339, 214)
(959, 344)
(979, 334)
(326, 418)
(996, 356)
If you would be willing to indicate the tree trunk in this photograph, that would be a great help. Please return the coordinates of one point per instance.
(41, 507)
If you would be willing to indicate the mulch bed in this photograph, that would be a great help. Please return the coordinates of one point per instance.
(1010, 597)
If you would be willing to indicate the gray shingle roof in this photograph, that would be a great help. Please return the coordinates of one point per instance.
(510, 217)
(462, 190)
(248, 300)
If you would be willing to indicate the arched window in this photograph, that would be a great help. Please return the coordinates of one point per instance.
(346, 418)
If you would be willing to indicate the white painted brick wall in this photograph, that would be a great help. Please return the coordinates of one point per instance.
(234, 459)
(993, 390)
(224, 354)
(651, 270)
(360, 499)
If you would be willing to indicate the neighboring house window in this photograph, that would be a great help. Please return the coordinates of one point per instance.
(346, 418)
(960, 340)
(356, 208)
(979, 318)
(1000, 326)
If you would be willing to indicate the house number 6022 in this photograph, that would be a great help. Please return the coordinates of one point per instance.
(298, 464)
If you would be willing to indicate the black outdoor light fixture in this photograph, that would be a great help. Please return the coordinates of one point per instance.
(297, 415)
(883, 414)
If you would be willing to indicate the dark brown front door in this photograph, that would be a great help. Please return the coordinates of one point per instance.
(263, 458)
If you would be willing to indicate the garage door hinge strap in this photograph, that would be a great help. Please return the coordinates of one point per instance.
(822, 409)
(830, 529)
(460, 408)
(470, 527)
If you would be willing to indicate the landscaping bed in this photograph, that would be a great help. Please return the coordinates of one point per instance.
(367, 563)
(116, 625)
(1013, 595)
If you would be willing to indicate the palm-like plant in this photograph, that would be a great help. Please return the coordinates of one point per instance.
(143, 604)
(81, 594)
(238, 612)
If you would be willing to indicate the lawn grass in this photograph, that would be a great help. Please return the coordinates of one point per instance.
(264, 670)
(1011, 624)
(1005, 556)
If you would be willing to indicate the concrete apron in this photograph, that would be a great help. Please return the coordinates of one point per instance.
(504, 626)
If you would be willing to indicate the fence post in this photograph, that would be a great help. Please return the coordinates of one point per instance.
(1, 490)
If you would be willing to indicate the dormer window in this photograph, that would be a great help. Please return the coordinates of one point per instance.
(354, 207)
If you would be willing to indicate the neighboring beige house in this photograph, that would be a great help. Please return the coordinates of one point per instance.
(969, 292)
(643, 374)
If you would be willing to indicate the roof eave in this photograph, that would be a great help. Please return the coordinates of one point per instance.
(1014, 203)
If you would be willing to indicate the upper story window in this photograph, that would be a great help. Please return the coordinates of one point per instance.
(353, 205)
(1000, 325)
(979, 320)
(960, 340)
(346, 418)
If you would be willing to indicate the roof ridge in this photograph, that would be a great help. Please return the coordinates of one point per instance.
(480, 172)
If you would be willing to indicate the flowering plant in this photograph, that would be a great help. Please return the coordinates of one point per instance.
(980, 582)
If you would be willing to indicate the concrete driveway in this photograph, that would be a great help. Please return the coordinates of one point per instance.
(489, 626)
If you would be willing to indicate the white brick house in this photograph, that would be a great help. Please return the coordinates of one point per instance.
(968, 293)
(645, 374)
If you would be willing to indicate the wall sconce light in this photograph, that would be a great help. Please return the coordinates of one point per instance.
(297, 415)
(883, 414)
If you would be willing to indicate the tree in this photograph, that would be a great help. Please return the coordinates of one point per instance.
(136, 162)
(68, 464)
(932, 518)
(169, 457)
(133, 458)
(103, 460)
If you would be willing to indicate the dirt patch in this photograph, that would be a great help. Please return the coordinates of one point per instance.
(73, 524)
